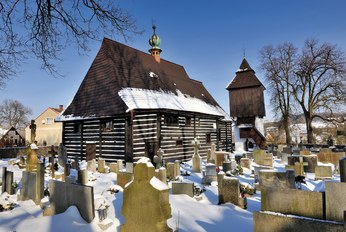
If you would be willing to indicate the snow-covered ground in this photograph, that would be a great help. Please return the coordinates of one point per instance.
(188, 214)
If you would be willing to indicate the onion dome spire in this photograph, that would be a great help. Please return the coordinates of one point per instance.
(154, 42)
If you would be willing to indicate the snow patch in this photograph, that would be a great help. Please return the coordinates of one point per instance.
(158, 184)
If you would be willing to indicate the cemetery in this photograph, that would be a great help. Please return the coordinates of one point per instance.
(95, 195)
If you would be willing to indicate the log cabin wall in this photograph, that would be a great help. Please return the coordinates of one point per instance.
(143, 134)
(107, 135)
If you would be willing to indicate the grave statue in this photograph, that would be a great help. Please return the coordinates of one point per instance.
(62, 155)
(33, 131)
(158, 158)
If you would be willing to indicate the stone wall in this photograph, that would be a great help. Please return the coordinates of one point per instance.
(273, 222)
(15, 152)
(292, 201)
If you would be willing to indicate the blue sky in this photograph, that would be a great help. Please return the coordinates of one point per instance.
(206, 37)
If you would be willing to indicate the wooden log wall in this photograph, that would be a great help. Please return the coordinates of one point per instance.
(110, 145)
(148, 132)
(144, 131)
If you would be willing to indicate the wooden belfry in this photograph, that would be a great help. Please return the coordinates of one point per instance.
(246, 101)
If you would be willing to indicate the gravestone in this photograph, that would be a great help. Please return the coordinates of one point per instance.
(196, 159)
(31, 158)
(262, 158)
(120, 165)
(90, 152)
(259, 156)
(305, 152)
(101, 165)
(123, 178)
(278, 180)
(65, 194)
(293, 201)
(32, 185)
(67, 169)
(113, 167)
(158, 158)
(323, 172)
(183, 188)
(268, 161)
(226, 166)
(7, 182)
(280, 150)
(171, 171)
(146, 205)
(245, 163)
(91, 165)
(62, 155)
(326, 155)
(342, 169)
(177, 167)
(298, 167)
(161, 174)
(257, 169)
(228, 189)
(52, 153)
(287, 150)
(211, 154)
(284, 158)
(335, 201)
(129, 167)
(3, 177)
(83, 176)
(210, 174)
(220, 157)
(310, 161)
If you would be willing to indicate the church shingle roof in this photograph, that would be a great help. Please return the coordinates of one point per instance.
(118, 66)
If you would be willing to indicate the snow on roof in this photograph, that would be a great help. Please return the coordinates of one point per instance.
(135, 98)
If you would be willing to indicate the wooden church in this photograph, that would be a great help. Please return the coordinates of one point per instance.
(131, 103)
(247, 107)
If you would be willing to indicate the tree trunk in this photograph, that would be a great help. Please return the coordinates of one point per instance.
(287, 131)
(309, 131)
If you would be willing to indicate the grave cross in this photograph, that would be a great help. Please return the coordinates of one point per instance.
(301, 165)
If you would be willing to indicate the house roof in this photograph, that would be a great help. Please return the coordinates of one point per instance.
(117, 69)
(56, 110)
(245, 77)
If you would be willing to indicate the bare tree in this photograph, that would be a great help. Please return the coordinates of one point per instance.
(319, 84)
(278, 64)
(43, 28)
(13, 113)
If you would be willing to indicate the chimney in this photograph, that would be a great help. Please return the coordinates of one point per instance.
(61, 107)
